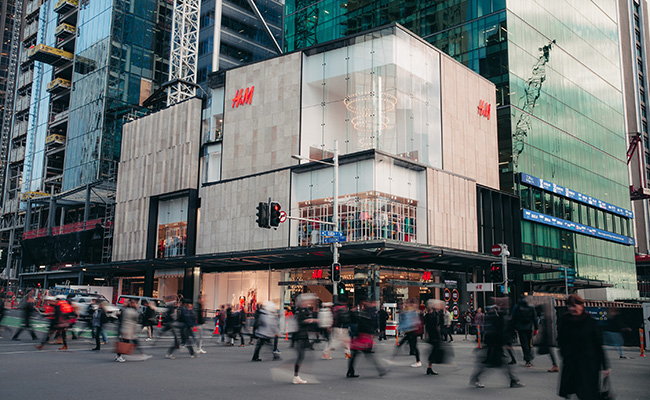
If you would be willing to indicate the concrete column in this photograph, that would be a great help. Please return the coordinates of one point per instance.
(148, 282)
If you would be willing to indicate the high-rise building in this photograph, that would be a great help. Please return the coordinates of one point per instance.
(562, 135)
(85, 69)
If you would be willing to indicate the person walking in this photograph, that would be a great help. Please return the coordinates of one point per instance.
(613, 331)
(340, 331)
(409, 321)
(524, 319)
(127, 329)
(98, 320)
(186, 324)
(546, 337)
(267, 328)
(362, 341)
(382, 316)
(448, 320)
(581, 347)
(305, 319)
(432, 324)
(491, 355)
(200, 322)
(479, 323)
(148, 319)
(28, 311)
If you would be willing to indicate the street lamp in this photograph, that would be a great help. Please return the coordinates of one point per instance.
(335, 217)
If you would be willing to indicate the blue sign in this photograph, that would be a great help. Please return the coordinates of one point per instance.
(331, 233)
(575, 227)
(334, 239)
(562, 191)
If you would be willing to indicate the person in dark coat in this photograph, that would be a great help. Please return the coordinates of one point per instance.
(305, 318)
(382, 315)
(98, 320)
(362, 340)
(433, 320)
(148, 317)
(581, 346)
(524, 319)
(495, 339)
(28, 311)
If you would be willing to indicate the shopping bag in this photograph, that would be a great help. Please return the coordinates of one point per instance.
(124, 348)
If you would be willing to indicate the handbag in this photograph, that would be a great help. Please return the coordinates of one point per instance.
(606, 392)
(362, 342)
(124, 347)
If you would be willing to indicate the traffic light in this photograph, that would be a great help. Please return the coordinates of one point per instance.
(336, 272)
(274, 220)
(496, 273)
(262, 215)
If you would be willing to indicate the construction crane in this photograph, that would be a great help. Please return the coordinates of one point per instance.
(184, 51)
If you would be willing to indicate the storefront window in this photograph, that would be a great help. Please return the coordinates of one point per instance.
(172, 228)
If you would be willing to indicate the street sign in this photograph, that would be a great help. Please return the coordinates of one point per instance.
(480, 287)
(331, 233)
(334, 239)
(497, 249)
(283, 216)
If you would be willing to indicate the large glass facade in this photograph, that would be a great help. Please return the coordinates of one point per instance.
(382, 91)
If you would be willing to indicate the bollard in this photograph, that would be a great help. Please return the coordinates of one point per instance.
(642, 343)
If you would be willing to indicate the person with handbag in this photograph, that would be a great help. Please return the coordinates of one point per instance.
(127, 331)
(433, 321)
(581, 347)
(362, 342)
(305, 318)
(410, 324)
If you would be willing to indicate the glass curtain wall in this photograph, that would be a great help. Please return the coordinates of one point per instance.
(382, 91)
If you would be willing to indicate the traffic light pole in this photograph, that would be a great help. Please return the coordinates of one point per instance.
(504, 263)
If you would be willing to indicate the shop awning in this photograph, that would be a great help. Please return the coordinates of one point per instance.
(169, 273)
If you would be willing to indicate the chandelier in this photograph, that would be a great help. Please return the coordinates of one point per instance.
(370, 110)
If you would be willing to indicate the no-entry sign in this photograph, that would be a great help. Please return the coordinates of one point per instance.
(497, 249)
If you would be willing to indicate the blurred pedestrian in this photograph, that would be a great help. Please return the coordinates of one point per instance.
(433, 320)
(148, 316)
(267, 329)
(98, 320)
(50, 303)
(127, 330)
(479, 323)
(340, 331)
(382, 316)
(525, 323)
(581, 347)
(546, 336)
(491, 355)
(2, 313)
(233, 325)
(28, 311)
(410, 324)
(448, 320)
(325, 323)
(199, 313)
(186, 323)
(170, 318)
(222, 323)
(613, 330)
(305, 319)
(362, 341)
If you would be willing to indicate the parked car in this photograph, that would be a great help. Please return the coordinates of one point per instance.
(158, 305)
(82, 302)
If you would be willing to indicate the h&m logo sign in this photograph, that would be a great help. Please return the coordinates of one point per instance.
(484, 109)
(243, 97)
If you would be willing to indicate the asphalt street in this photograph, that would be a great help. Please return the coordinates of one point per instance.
(227, 372)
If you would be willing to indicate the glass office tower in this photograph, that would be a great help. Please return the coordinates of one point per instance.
(562, 138)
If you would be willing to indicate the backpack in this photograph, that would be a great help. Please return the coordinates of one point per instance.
(524, 314)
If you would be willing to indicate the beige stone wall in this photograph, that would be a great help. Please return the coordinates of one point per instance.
(227, 221)
(262, 136)
(451, 211)
(160, 154)
(469, 140)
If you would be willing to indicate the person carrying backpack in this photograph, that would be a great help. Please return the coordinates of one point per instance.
(524, 319)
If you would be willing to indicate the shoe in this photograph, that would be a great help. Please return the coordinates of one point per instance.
(416, 364)
(349, 375)
(147, 356)
(528, 365)
(348, 355)
(512, 362)
(516, 384)
(242, 345)
(256, 359)
(297, 380)
(63, 348)
(148, 339)
(120, 359)
(326, 356)
(95, 349)
(170, 356)
(104, 342)
(201, 351)
(476, 384)
(276, 351)
(554, 369)
(193, 356)
(624, 357)
(16, 339)
(430, 371)
(39, 346)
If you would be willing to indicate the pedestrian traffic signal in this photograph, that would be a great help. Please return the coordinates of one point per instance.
(275, 214)
(496, 273)
(262, 215)
(336, 272)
